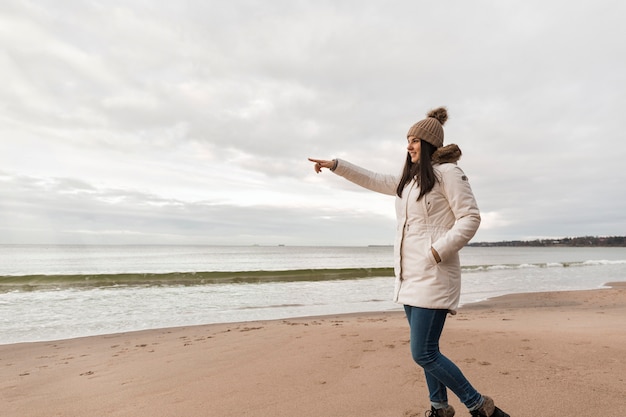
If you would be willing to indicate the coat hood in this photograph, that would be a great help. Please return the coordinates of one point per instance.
(447, 154)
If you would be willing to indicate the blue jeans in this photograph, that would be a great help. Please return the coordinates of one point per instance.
(426, 327)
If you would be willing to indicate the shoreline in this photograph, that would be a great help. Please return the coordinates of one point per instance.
(564, 350)
(396, 308)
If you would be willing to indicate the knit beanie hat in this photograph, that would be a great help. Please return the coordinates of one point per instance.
(431, 128)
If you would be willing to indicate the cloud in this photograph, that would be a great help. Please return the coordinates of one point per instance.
(193, 121)
(58, 209)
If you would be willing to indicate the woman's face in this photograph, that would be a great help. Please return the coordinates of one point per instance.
(414, 148)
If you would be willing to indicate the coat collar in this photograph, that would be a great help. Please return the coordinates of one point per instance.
(447, 154)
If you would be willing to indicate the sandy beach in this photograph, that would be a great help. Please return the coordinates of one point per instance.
(548, 354)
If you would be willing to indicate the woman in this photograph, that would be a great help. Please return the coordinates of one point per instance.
(437, 215)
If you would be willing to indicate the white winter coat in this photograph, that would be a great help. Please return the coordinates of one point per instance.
(446, 219)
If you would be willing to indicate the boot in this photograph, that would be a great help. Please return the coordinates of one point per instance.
(488, 409)
(440, 412)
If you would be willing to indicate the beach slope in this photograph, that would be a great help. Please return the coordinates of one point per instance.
(561, 353)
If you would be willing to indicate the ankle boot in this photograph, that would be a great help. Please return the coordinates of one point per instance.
(488, 409)
(440, 412)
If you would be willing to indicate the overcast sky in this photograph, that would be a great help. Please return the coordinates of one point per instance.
(190, 122)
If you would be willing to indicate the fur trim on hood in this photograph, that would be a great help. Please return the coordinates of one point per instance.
(447, 154)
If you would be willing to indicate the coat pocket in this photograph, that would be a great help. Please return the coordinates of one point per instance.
(418, 260)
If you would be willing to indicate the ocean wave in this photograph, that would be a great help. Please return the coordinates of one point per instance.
(604, 262)
(501, 267)
(47, 282)
(12, 283)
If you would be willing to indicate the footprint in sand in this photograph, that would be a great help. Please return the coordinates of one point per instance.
(248, 329)
(291, 323)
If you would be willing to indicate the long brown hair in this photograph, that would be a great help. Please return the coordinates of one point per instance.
(421, 170)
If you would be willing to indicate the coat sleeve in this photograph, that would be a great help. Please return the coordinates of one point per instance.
(459, 194)
(381, 183)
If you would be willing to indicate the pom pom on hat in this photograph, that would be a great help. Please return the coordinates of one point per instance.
(440, 113)
(431, 128)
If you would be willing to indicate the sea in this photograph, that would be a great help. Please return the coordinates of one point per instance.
(52, 292)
